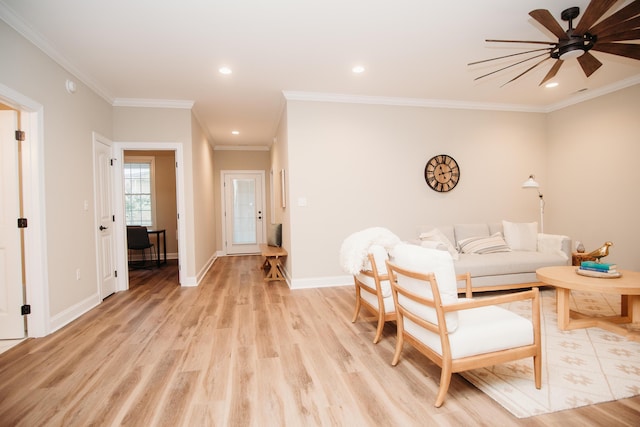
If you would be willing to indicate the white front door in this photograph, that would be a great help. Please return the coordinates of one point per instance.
(105, 219)
(11, 287)
(244, 213)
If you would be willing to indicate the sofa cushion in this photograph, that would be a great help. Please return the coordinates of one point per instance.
(500, 263)
(436, 235)
(521, 236)
(464, 231)
(483, 245)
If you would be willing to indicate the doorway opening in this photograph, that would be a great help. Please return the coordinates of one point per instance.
(243, 211)
(32, 188)
(162, 216)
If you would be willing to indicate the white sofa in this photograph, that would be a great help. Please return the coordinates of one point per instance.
(497, 267)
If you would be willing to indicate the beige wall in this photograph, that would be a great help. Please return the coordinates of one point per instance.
(68, 123)
(280, 161)
(237, 160)
(593, 180)
(204, 204)
(176, 125)
(165, 190)
(359, 166)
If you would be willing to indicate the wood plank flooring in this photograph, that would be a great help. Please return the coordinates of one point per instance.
(237, 351)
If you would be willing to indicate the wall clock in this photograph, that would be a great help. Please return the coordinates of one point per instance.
(442, 173)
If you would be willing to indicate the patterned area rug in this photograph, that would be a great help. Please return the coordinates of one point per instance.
(579, 367)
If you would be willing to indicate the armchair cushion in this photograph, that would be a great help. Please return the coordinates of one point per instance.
(477, 332)
(389, 307)
(427, 260)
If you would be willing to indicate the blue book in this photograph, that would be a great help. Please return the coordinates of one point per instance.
(611, 270)
(599, 266)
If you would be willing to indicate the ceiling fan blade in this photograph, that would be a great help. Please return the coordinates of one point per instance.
(628, 50)
(520, 41)
(525, 71)
(513, 65)
(619, 18)
(548, 49)
(621, 36)
(594, 11)
(544, 17)
(631, 24)
(589, 63)
(552, 72)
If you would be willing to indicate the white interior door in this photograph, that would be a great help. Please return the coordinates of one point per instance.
(105, 219)
(244, 213)
(11, 287)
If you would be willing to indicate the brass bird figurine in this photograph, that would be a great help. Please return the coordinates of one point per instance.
(601, 252)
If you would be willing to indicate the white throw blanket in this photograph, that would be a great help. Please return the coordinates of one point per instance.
(355, 248)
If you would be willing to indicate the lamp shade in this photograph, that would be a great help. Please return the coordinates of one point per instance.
(530, 183)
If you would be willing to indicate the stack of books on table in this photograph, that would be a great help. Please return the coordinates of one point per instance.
(598, 269)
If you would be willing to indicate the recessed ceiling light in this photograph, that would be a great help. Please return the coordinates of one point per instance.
(235, 132)
(552, 84)
(358, 69)
(225, 70)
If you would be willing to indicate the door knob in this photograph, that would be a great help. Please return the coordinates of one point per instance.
(103, 228)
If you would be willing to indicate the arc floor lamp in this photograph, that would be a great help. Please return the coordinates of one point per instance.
(532, 183)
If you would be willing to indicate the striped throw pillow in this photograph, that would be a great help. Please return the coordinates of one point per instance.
(484, 245)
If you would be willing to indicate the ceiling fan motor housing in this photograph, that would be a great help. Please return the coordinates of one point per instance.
(576, 44)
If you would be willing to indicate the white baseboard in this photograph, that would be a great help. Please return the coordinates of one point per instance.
(72, 313)
(195, 281)
(321, 282)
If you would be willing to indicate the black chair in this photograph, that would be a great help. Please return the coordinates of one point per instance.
(138, 240)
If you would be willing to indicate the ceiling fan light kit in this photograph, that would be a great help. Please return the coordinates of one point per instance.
(591, 33)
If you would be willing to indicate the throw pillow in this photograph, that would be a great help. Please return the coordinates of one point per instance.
(521, 236)
(484, 245)
(436, 235)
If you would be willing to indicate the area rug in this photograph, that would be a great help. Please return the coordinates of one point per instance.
(579, 367)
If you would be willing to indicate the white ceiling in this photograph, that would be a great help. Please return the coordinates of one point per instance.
(414, 51)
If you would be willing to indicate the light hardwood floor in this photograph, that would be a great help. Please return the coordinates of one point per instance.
(237, 351)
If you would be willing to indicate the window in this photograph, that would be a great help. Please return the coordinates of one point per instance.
(139, 197)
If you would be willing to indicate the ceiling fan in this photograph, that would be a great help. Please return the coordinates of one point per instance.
(604, 36)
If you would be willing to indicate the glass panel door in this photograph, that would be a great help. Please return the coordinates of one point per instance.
(243, 211)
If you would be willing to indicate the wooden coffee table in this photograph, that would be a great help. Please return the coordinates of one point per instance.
(565, 279)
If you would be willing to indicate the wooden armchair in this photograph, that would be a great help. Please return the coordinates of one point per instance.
(457, 334)
(373, 291)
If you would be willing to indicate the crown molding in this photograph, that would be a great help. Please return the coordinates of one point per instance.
(12, 19)
(441, 103)
(241, 148)
(405, 102)
(153, 103)
(595, 93)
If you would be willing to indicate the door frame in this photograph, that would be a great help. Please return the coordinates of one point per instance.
(223, 204)
(35, 241)
(118, 205)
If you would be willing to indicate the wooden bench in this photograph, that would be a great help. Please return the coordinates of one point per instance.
(272, 256)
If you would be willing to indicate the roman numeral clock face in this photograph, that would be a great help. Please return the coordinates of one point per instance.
(442, 173)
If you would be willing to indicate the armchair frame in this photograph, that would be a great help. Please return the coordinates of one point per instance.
(445, 361)
(380, 313)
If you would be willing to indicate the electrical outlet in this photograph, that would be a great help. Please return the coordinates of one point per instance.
(78, 274)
